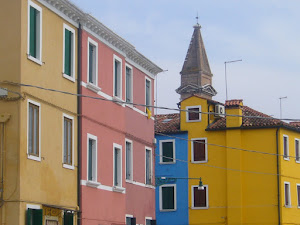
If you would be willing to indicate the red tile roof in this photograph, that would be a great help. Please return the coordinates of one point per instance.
(295, 124)
(233, 102)
(167, 123)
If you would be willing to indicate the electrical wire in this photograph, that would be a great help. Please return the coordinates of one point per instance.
(138, 104)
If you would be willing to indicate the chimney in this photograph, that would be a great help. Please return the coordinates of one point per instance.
(234, 107)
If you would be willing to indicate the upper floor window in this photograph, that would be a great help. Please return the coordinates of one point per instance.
(199, 150)
(286, 147)
(148, 163)
(287, 194)
(92, 62)
(130, 220)
(129, 85)
(167, 151)
(33, 147)
(297, 150)
(148, 93)
(69, 52)
(199, 197)
(92, 158)
(117, 165)
(68, 141)
(34, 215)
(193, 113)
(129, 160)
(117, 77)
(298, 195)
(34, 49)
(167, 197)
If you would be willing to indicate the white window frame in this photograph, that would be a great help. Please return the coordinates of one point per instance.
(297, 161)
(131, 157)
(151, 166)
(131, 100)
(288, 148)
(147, 218)
(192, 150)
(53, 218)
(160, 198)
(92, 183)
(67, 166)
(150, 94)
(187, 113)
(116, 58)
(161, 151)
(40, 151)
(72, 76)
(118, 188)
(289, 189)
(192, 196)
(37, 60)
(95, 44)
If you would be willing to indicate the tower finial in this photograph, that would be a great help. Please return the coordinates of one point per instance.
(197, 18)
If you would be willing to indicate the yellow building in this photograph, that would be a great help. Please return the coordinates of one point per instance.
(38, 135)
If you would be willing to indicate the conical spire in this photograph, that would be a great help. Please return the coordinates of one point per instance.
(196, 76)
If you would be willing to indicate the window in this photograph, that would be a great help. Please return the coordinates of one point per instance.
(167, 151)
(117, 165)
(199, 150)
(297, 150)
(167, 197)
(51, 220)
(298, 194)
(92, 158)
(129, 83)
(285, 147)
(150, 221)
(92, 62)
(69, 53)
(34, 216)
(129, 160)
(68, 141)
(130, 220)
(287, 194)
(148, 165)
(193, 113)
(33, 148)
(117, 77)
(148, 94)
(34, 49)
(68, 218)
(199, 197)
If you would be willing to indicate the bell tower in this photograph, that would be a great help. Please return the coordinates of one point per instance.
(196, 77)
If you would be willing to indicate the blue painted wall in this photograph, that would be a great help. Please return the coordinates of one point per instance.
(179, 169)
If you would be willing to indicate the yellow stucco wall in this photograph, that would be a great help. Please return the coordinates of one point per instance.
(28, 181)
(242, 185)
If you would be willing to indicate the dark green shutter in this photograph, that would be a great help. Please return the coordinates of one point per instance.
(34, 217)
(116, 168)
(167, 197)
(68, 218)
(167, 150)
(91, 49)
(32, 32)
(133, 221)
(116, 78)
(90, 172)
(68, 51)
(153, 222)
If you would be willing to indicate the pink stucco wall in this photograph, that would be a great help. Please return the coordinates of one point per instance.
(112, 123)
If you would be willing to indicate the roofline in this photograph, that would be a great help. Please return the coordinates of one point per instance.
(178, 132)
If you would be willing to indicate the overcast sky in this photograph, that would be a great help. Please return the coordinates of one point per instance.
(264, 34)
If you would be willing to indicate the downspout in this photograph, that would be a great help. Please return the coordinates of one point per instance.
(208, 115)
(79, 125)
(278, 176)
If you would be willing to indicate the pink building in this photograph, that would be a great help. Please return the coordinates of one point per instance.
(117, 152)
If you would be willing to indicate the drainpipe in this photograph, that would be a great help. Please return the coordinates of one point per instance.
(79, 216)
(278, 176)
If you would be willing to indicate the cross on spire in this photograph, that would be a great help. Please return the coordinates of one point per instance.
(197, 18)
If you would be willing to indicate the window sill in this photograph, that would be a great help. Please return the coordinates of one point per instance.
(67, 166)
(37, 61)
(91, 183)
(191, 121)
(69, 77)
(35, 158)
(168, 210)
(93, 87)
(167, 163)
(129, 181)
(286, 158)
(128, 104)
(297, 161)
(288, 206)
(200, 207)
(200, 161)
(118, 189)
(117, 100)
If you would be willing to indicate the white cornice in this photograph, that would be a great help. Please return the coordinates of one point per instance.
(75, 16)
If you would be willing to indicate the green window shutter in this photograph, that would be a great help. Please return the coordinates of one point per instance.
(34, 217)
(167, 197)
(167, 151)
(68, 52)
(90, 169)
(32, 32)
(91, 59)
(116, 78)
(68, 218)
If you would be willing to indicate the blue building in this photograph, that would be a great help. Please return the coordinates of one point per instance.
(172, 197)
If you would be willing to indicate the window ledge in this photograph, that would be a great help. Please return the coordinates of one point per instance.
(199, 161)
(167, 210)
(93, 87)
(286, 158)
(167, 163)
(117, 100)
(191, 121)
(288, 206)
(200, 207)
(69, 77)
(67, 166)
(118, 189)
(129, 181)
(37, 61)
(35, 158)
(297, 161)
(91, 183)
(128, 104)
